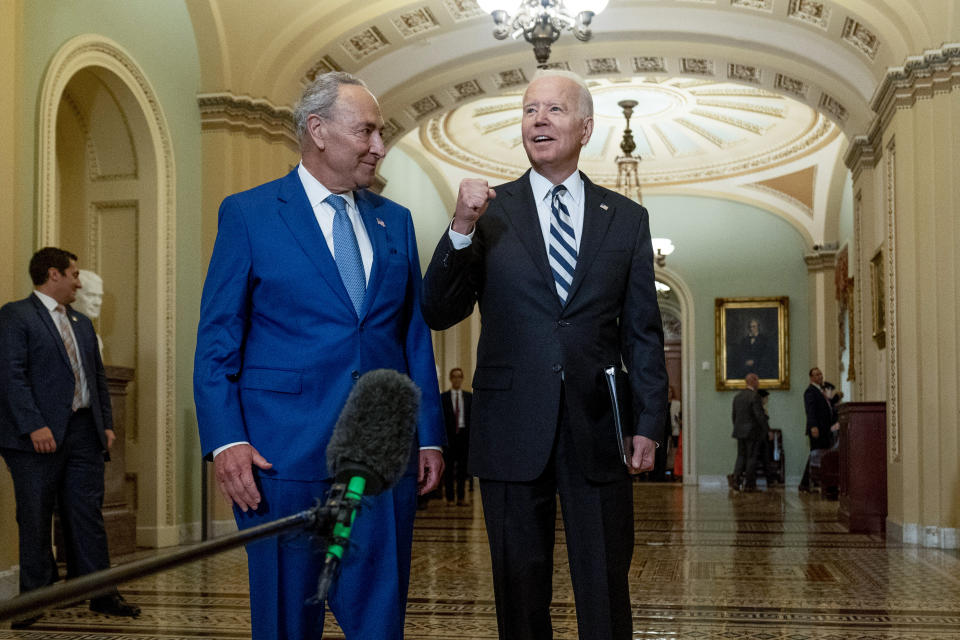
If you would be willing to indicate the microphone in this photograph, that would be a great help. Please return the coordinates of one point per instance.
(368, 452)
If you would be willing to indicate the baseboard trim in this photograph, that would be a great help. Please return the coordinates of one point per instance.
(929, 537)
(10, 582)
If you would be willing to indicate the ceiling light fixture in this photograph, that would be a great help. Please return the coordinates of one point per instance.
(541, 21)
(628, 165)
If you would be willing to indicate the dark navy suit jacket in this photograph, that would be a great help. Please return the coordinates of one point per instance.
(532, 348)
(36, 379)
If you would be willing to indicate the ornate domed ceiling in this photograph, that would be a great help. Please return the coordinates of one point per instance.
(686, 130)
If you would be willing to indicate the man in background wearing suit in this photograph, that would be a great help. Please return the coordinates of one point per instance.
(314, 280)
(56, 427)
(456, 416)
(750, 429)
(819, 420)
(563, 272)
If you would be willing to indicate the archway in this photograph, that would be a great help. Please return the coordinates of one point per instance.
(106, 185)
(680, 304)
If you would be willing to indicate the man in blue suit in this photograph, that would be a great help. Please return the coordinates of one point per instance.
(56, 427)
(315, 280)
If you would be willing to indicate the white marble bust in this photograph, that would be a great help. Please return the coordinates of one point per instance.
(90, 298)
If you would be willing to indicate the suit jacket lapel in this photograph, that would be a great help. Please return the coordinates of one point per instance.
(47, 321)
(596, 222)
(523, 216)
(377, 232)
(297, 214)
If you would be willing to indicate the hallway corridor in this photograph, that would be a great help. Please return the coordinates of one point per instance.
(708, 565)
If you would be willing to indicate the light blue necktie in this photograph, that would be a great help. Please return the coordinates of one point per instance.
(563, 244)
(347, 252)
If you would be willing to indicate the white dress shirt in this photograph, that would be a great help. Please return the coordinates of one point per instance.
(456, 402)
(323, 212)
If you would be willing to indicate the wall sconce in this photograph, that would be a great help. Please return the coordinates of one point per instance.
(662, 247)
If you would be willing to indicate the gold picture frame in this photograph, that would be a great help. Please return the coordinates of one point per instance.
(878, 295)
(752, 335)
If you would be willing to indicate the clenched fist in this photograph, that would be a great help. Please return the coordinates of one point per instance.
(475, 194)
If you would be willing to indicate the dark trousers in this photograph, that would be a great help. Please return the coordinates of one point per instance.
(70, 480)
(598, 524)
(748, 455)
(455, 466)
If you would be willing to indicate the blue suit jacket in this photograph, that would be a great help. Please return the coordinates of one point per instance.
(36, 379)
(280, 345)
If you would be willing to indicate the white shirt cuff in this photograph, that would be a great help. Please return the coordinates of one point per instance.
(227, 446)
(459, 240)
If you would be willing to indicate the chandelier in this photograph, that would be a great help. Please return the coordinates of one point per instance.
(541, 21)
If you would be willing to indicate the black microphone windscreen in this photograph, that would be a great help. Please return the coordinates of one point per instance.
(373, 436)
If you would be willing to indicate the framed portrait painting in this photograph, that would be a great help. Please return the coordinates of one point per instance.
(752, 336)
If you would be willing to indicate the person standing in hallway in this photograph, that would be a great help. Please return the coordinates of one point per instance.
(819, 416)
(56, 427)
(315, 280)
(749, 426)
(563, 273)
(456, 415)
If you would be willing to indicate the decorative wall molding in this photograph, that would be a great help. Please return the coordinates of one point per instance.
(859, 311)
(821, 260)
(227, 111)
(890, 304)
(920, 78)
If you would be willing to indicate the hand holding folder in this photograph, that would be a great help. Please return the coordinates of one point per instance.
(637, 452)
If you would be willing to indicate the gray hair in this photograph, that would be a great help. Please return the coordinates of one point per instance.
(586, 99)
(320, 96)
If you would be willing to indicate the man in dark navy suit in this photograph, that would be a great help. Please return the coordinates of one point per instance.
(562, 270)
(819, 420)
(456, 417)
(56, 427)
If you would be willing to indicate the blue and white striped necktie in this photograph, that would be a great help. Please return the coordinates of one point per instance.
(347, 252)
(563, 243)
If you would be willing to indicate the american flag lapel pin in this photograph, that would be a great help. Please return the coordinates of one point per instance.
(381, 223)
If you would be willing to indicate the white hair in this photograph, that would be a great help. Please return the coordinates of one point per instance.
(320, 96)
(585, 106)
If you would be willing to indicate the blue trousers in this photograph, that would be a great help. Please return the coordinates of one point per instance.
(368, 598)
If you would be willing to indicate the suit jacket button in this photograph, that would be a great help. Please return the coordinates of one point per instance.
(355, 374)
(557, 368)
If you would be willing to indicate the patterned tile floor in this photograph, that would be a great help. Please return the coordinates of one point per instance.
(708, 565)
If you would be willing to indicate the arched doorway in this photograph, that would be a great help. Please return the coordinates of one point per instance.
(676, 309)
(106, 192)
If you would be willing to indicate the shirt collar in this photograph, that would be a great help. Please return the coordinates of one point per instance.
(47, 301)
(316, 192)
(542, 187)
